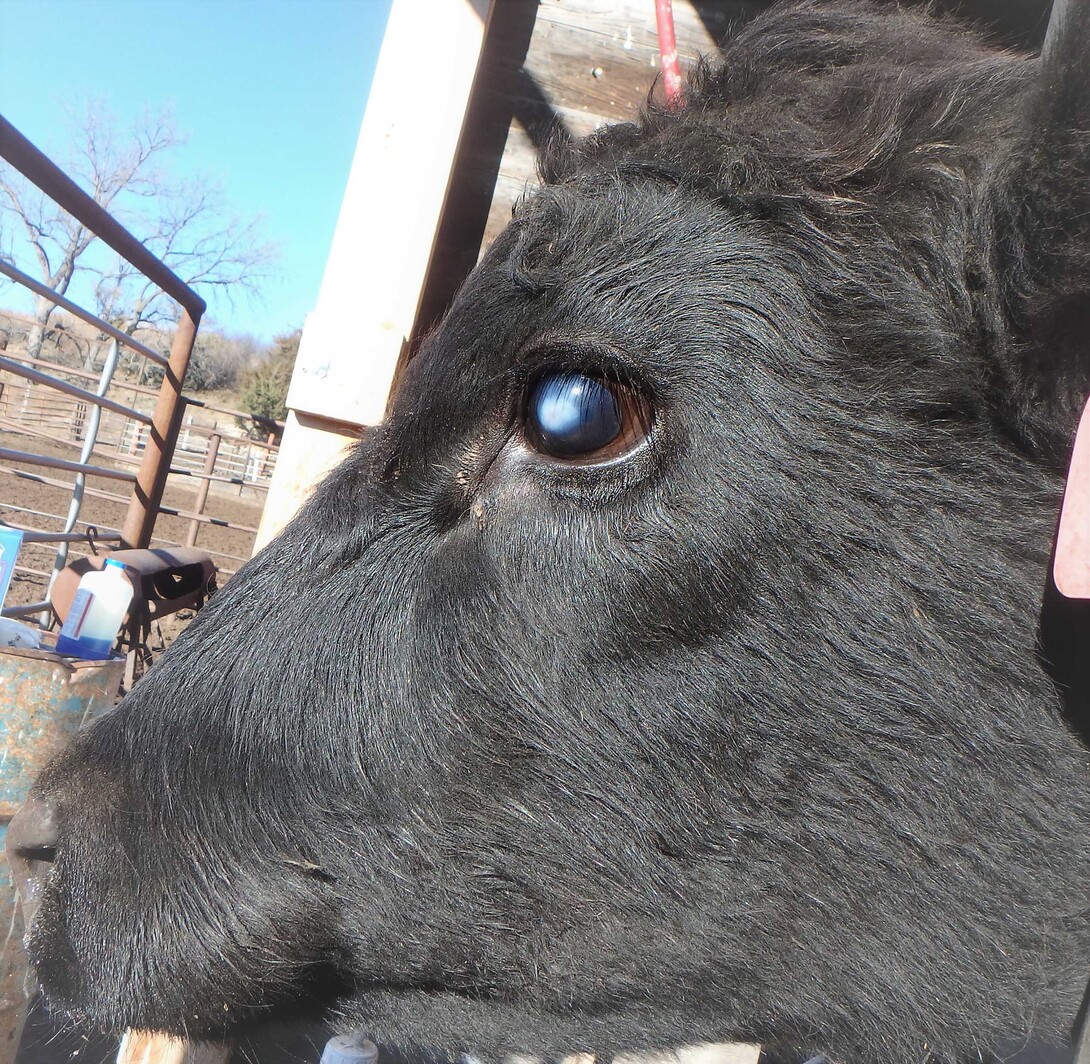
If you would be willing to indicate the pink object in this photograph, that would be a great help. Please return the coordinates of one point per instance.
(1071, 570)
(671, 70)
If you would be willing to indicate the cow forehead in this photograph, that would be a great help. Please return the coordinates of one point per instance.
(617, 263)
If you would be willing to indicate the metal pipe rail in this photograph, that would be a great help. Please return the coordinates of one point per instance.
(128, 386)
(165, 421)
(81, 394)
(170, 511)
(56, 298)
(27, 430)
(8, 455)
(56, 184)
(248, 415)
(67, 485)
(33, 535)
(140, 389)
(159, 448)
(204, 519)
(241, 482)
(24, 611)
(208, 430)
(46, 516)
(101, 533)
(94, 534)
(51, 482)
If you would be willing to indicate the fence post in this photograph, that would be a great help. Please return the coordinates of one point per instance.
(166, 421)
(202, 491)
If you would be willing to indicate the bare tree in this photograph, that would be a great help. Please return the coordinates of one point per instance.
(185, 223)
(106, 164)
(202, 241)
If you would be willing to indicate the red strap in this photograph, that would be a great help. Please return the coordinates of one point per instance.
(671, 69)
(1072, 567)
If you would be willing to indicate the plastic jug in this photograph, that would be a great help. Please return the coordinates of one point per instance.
(349, 1049)
(96, 613)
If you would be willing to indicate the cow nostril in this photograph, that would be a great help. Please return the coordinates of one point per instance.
(32, 849)
(36, 854)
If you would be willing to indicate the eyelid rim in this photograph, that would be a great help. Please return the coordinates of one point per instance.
(558, 352)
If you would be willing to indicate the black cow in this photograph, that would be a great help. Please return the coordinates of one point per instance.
(666, 668)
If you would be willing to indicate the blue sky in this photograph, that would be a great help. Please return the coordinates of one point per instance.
(269, 93)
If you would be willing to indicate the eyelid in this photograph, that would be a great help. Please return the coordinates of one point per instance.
(558, 352)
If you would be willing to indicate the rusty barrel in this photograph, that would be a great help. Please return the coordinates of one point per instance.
(44, 699)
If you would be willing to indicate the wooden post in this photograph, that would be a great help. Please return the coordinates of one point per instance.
(382, 244)
(202, 491)
(166, 423)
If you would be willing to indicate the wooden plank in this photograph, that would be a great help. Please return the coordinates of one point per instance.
(386, 228)
(698, 25)
(477, 161)
(597, 73)
(399, 181)
(601, 56)
(149, 1047)
(593, 62)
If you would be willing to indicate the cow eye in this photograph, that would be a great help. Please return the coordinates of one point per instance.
(585, 417)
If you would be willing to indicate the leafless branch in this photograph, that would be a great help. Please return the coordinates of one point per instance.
(187, 224)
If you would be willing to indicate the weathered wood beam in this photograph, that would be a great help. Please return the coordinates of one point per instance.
(385, 232)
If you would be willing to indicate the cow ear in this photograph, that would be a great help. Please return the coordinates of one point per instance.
(1041, 243)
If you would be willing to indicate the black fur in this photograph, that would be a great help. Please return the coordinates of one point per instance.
(744, 736)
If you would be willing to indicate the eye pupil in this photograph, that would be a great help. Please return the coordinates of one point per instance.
(571, 415)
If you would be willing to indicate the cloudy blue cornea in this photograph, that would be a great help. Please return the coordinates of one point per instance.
(571, 414)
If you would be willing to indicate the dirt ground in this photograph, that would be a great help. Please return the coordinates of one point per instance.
(225, 502)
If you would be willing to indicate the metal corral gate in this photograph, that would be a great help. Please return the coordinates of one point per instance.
(216, 458)
(84, 408)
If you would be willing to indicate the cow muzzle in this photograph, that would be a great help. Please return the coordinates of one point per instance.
(32, 849)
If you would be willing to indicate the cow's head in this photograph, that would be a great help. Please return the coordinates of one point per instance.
(663, 670)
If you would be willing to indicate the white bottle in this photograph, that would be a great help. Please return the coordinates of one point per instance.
(351, 1048)
(94, 618)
